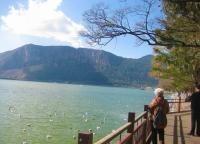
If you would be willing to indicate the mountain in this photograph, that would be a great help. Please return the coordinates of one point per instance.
(67, 64)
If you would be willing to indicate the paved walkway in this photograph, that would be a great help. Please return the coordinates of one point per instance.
(177, 129)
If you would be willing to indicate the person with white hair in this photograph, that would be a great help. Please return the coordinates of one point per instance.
(159, 107)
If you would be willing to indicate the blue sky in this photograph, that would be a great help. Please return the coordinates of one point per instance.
(56, 22)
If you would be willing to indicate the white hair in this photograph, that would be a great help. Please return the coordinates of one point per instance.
(159, 92)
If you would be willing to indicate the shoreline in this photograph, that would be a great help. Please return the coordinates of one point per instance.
(85, 84)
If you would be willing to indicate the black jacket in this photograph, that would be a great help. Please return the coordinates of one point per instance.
(195, 102)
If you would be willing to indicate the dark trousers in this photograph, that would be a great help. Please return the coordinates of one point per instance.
(195, 123)
(160, 132)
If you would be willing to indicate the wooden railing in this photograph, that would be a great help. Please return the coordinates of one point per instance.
(123, 139)
(137, 130)
(178, 105)
(142, 129)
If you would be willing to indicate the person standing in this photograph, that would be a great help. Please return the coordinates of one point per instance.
(158, 103)
(195, 111)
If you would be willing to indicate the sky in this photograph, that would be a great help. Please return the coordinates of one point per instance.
(57, 22)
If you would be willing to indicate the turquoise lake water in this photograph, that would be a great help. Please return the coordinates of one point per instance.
(52, 113)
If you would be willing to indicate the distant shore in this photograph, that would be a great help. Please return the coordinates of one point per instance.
(89, 84)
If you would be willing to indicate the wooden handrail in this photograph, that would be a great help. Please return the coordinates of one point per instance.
(140, 116)
(144, 125)
(139, 126)
(177, 103)
(127, 136)
(111, 136)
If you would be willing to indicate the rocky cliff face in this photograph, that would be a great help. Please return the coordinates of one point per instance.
(67, 64)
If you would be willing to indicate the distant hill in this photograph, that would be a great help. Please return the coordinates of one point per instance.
(67, 64)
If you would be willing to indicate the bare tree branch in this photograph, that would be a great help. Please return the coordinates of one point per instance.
(103, 25)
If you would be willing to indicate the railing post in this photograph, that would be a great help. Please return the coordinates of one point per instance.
(179, 104)
(148, 126)
(145, 129)
(146, 109)
(85, 138)
(131, 118)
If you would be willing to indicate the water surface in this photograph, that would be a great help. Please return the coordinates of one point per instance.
(52, 113)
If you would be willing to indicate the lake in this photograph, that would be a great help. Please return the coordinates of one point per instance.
(53, 113)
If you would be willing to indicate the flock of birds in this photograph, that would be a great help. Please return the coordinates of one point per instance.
(85, 118)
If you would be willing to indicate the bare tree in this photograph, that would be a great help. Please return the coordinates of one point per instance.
(104, 24)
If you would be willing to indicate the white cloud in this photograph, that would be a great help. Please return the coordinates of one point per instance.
(42, 18)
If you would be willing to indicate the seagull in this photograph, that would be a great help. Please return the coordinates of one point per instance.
(74, 137)
(28, 124)
(48, 136)
(98, 127)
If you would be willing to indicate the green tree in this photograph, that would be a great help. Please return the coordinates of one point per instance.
(177, 69)
(178, 66)
(181, 24)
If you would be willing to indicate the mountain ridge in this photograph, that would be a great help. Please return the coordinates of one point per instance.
(74, 65)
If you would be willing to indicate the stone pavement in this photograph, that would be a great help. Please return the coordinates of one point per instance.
(178, 126)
